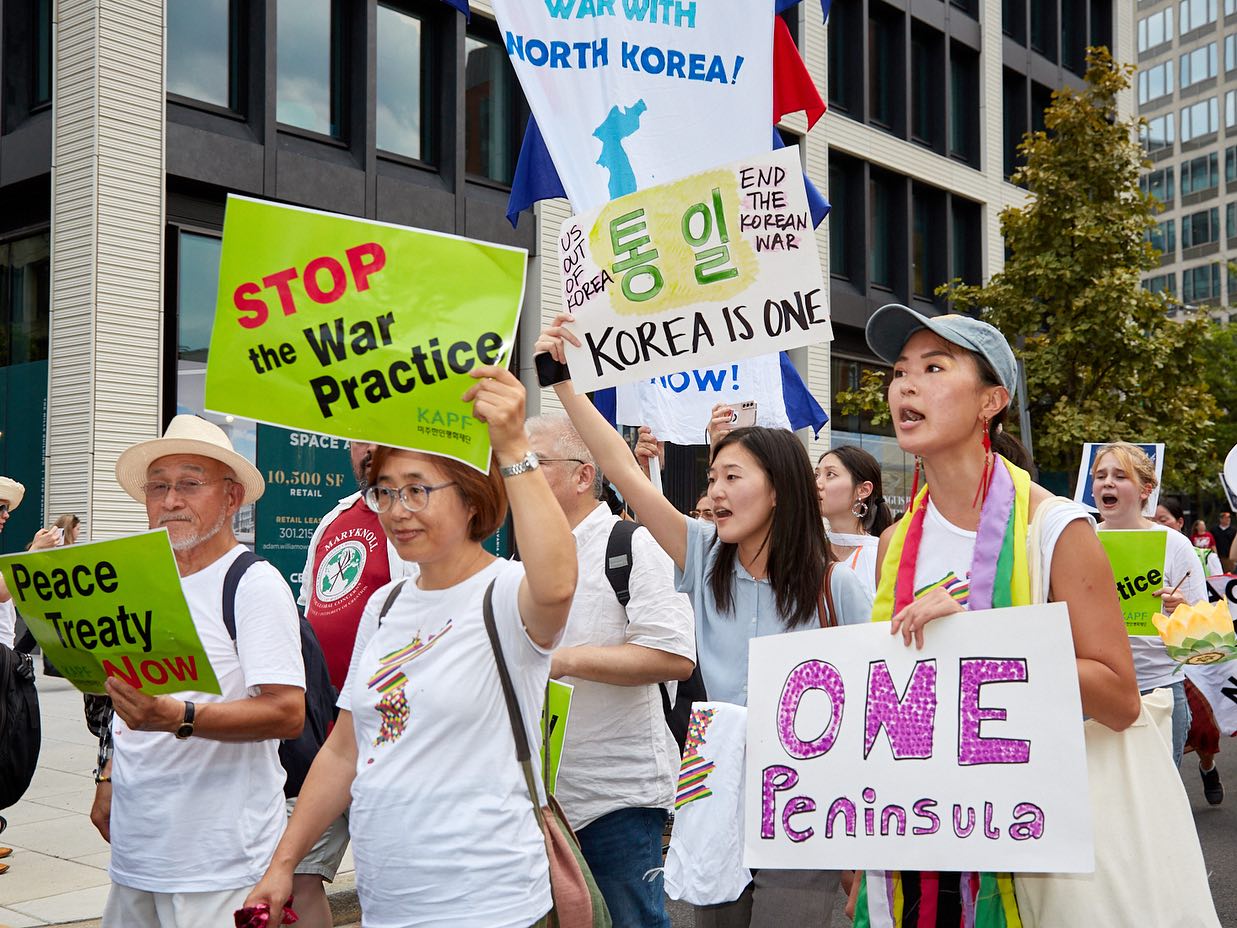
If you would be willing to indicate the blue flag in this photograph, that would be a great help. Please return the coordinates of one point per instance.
(462, 6)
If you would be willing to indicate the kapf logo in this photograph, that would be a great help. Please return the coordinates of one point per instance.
(340, 571)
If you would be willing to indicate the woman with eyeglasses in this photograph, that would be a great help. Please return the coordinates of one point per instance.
(442, 824)
(704, 509)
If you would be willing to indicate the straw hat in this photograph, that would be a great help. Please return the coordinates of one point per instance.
(187, 435)
(12, 491)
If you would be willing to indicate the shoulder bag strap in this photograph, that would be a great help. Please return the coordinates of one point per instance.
(391, 597)
(231, 582)
(825, 609)
(522, 751)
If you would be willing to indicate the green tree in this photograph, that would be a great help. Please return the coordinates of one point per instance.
(1103, 361)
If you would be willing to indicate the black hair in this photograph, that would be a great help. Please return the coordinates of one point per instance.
(863, 468)
(1003, 443)
(1173, 507)
(798, 549)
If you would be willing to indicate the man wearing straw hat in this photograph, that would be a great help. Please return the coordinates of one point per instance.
(192, 800)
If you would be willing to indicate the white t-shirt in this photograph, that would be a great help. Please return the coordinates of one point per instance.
(8, 623)
(618, 752)
(946, 551)
(1151, 661)
(443, 829)
(201, 815)
(862, 560)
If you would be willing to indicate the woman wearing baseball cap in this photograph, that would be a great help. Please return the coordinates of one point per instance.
(953, 380)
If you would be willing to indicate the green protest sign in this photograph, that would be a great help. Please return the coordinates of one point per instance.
(112, 609)
(1137, 559)
(359, 329)
(554, 722)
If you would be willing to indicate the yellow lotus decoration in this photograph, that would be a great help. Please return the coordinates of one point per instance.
(1198, 634)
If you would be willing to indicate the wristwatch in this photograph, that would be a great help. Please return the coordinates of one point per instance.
(530, 462)
(186, 728)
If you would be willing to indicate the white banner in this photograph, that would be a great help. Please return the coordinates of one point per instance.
(634, 93)
(677, 407)
(967, 755)
(718, 266)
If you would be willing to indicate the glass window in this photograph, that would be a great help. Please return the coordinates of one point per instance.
(491, 99)
(920, 271)
(404, 118)
(197, 282)
(1199, 174)
(1044, 27)
(845, 75)
(1230, 109)
(1014, 20)
(25, 299)
(1200, 228)
(1230, 220)
(880, 232)
(847, 374)
(925, 117)
(1195, 14)
(1157, 82)
(881, 55)
(309, 53)
(1230, 51)
(200, 60)
(42, 85)
(1198, 65)
(1159, 132)
(1161, 283)
(1155, 29)
(966, 229)
(1163, 237)
(841, 251)
(1230, 165)
(1201, 283)
(1200, 119)
(964, 105)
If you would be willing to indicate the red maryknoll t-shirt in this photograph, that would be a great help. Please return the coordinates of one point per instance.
(350, 564)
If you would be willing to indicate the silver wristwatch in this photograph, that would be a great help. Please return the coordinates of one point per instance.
(530, 462)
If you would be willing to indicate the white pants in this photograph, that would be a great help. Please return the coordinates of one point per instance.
(136, 908)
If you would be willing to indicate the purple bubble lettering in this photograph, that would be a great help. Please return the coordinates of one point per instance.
(810, 675)
(846, 808)
(908, 719)
(794, 807)
(775, 778)
(1021, 829)
(893, 813)
(973, 749)
(923, 808)
(964, 831)
(990, 831)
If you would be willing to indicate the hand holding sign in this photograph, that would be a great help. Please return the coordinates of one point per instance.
(498, 401)
(142, 712)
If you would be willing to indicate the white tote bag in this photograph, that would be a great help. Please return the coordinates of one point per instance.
(1149, 866)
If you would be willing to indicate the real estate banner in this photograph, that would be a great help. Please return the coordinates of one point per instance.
(112, 609)
(359, 329)
(718, 266)
(966, 755)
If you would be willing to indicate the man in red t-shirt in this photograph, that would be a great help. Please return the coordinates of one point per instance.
(349, 558)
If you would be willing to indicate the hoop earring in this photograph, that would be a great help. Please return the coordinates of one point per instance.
(859, 509)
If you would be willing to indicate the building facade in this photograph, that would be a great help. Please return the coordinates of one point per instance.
(152, 111)
(1187, 92)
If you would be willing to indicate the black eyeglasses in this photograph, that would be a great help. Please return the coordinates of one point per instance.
(158, 489)
(414, 497)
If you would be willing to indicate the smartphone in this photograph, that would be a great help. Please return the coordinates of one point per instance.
(59, 534)
(549, 371)
(744, 414)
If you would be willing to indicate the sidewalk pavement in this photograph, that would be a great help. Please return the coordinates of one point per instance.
(58, 870)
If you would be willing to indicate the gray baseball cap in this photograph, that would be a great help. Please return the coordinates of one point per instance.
(892, 325)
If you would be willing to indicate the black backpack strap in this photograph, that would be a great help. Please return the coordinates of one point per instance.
(231, 581)
(618, 559)
(26, 644)
(391, 597)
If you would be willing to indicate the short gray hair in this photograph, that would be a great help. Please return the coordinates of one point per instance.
(565, 442)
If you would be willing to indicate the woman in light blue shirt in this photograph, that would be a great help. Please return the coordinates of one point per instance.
(759, 569)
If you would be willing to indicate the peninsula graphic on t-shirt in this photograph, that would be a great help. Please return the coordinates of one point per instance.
(618, 126)
(390, 680)
(694, 770)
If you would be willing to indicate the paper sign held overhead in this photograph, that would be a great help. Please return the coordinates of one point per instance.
(966, 755)
(359, 329)
(112, 609)
(719, 266)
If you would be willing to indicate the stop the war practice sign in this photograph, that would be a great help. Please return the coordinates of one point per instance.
(967, 755)
(718, 266)
(359, 329)
(112, 609)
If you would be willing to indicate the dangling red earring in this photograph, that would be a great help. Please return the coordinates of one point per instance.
(915, 484)
(986, 478)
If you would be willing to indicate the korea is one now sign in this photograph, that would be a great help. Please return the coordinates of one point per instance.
(112, 608)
